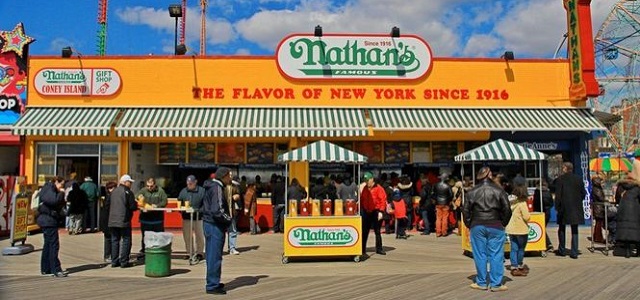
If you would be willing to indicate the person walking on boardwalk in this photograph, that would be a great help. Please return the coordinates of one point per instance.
(123, 204)
(373, 202)
(216, 220)
(569, 195)
(486, 212)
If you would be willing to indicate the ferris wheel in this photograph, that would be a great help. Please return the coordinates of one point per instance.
(617, 57)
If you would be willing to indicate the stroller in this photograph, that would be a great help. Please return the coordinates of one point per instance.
(608, 210)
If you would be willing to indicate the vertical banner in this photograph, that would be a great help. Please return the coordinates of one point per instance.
(6, 192)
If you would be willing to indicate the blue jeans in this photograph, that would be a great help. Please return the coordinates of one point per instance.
(487, 244)
(120, 251)
(562, 239)
(49, 262)
(233, 232)
(425, 219)
(518, 244)
(214, 244)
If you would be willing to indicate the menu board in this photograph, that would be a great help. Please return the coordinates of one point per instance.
(372, 150)
(346, 145)
(172, 153)
(281, 149)
(396, 152)
(444, 151)
(231, 153)
(421, 152)
(202, 152)
(259, 153)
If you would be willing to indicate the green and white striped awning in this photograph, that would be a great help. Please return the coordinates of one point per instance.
(490, 119)
(242, 122)
(323, 151)
(66, 121)
(500, 150)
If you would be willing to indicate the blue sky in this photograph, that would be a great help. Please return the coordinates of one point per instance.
(453, 28)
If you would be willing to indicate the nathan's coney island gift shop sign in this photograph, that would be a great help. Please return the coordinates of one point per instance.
(77, 82)
(351, 57)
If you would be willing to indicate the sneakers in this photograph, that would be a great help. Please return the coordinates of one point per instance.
(501, 288)
(234, 252)
(475, 286)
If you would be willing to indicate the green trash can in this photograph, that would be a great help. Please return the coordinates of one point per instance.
(157, 261)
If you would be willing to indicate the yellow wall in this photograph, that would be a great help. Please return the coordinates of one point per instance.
(169, 81)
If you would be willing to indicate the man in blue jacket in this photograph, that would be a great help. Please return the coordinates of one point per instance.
(216, 220)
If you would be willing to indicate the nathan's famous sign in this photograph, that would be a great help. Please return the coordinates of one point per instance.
(303, 56)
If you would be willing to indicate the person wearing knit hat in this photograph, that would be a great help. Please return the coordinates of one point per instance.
(628, 216)
(216, 220)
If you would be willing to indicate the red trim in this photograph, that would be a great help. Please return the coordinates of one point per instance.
(6, 138)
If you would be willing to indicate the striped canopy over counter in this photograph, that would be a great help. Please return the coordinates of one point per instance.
(67, 121)
(323, 151)
(498, 119)
(500, 150)
(242, 122)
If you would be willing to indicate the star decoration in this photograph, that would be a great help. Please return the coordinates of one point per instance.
(15, 40)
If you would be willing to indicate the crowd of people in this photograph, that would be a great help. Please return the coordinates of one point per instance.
(493, 209)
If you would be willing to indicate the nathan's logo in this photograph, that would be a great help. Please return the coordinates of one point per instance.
(535, 232)
(334, 236)
(77, 82)
(340, 57)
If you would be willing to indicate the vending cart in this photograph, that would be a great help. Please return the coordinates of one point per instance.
(308, 230)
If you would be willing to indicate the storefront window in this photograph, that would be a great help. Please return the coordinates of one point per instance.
(109, 163)
(46, 163)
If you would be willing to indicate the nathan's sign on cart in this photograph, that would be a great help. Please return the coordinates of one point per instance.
(303, 56)
(77, 82)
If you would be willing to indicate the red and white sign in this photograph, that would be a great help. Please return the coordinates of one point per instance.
(334, 56)
(77, 82)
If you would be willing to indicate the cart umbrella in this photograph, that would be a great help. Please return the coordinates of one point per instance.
(610, 164)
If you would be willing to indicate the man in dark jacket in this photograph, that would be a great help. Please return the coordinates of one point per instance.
(51, 203)
(123, 203)
(443, 195)
(216, 220)
(486, 212)
(277, 202)
(569, 195)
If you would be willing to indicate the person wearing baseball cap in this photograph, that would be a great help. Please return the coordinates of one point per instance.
(193, 194)
(373, 202)
(123, 203)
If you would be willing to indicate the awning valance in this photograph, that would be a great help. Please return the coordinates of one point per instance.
(241, 122)
(66, 121)
(322, 151)
(500, 150)
(498, 119)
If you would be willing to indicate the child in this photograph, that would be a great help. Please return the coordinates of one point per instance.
(518, 230)
(400, 213)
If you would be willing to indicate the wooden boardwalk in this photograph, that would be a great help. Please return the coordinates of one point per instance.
(422, 267)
